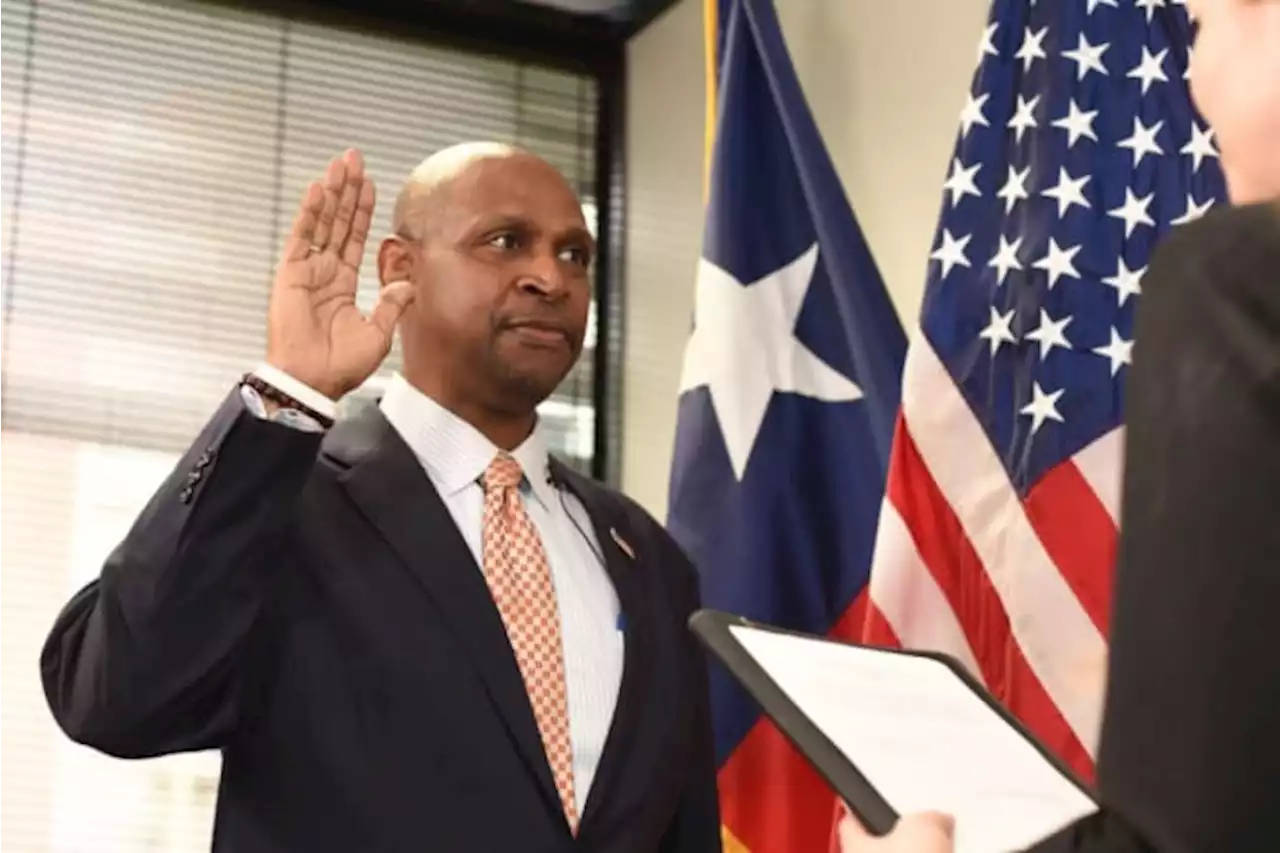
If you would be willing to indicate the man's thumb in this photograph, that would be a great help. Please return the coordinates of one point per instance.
(394, 297)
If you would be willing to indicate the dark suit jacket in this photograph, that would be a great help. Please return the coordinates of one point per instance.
(1190, 755)
(312, 611)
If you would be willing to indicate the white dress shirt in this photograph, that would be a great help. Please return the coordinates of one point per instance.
(454, 455)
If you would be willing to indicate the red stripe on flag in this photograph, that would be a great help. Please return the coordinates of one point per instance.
(1079, 536)
(851, 623)
(864, 623)
(1026, 698)
(876, 630)
(945, 549)
(771, 798)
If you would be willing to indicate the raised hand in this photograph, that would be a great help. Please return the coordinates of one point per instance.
(315, 332)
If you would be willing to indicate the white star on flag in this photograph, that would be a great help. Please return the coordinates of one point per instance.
(951, 252)
(972, 113)
(1133, 211)
(1050, 333)
(1006, 258)
(999, 330)
(1199, 146)
(1043, 407)
(987, 45)
(1193, 212)
(1032, 47)
(1087, 57)
(1077, 123)
(1143, 140)
(1127, 282)
(1024, 117)
(743, 349)
(1014, 188)
(1119, 351)
(961, 181)
(1150, 69)
(1058, 262)
(1069, 191)
(1150, 6)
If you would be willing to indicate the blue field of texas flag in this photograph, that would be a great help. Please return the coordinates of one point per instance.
(788, 398)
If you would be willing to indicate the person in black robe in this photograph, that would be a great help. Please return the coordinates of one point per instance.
(1189, 757)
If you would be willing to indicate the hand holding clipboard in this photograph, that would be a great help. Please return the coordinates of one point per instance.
(896, 732)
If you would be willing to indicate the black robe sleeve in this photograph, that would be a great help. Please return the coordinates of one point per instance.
(1189, 760)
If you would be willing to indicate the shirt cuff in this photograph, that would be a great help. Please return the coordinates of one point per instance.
(302, 392)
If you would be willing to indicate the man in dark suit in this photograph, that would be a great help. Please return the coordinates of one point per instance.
(411, 629)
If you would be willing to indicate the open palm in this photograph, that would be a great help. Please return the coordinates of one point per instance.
(315, 331)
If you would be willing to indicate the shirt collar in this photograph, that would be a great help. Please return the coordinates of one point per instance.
(453, 452)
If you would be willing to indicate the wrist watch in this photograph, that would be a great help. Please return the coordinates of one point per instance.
(298, 404)
(284, 415)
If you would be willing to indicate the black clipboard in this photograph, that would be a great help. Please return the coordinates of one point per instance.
(875, 813)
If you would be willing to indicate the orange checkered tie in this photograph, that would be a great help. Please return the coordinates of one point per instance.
(515, 567)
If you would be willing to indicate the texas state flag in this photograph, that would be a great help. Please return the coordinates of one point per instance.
(787, 404)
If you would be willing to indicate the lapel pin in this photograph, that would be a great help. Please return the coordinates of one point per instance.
(622, 544)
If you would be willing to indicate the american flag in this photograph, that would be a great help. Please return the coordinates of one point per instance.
(1078, 149)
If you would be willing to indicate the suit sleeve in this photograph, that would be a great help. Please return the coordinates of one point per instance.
(149, 658)
(1189, 760)
(696, 828)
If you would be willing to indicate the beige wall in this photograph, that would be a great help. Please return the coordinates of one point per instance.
(886, 93)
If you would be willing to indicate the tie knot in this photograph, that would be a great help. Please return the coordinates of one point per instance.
(504, 472)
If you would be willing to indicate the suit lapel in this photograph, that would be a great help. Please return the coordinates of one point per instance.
(621, 562)
(387, 483)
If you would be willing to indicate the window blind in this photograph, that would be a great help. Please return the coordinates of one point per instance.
(153, 155)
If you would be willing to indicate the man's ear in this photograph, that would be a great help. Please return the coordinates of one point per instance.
(395, 261)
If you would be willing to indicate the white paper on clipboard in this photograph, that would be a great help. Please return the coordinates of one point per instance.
(922, 738)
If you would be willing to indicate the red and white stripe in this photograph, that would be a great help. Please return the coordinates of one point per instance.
(1018, 589)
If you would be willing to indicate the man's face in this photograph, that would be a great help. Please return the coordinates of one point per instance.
(1235, 80)
(503, 280)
